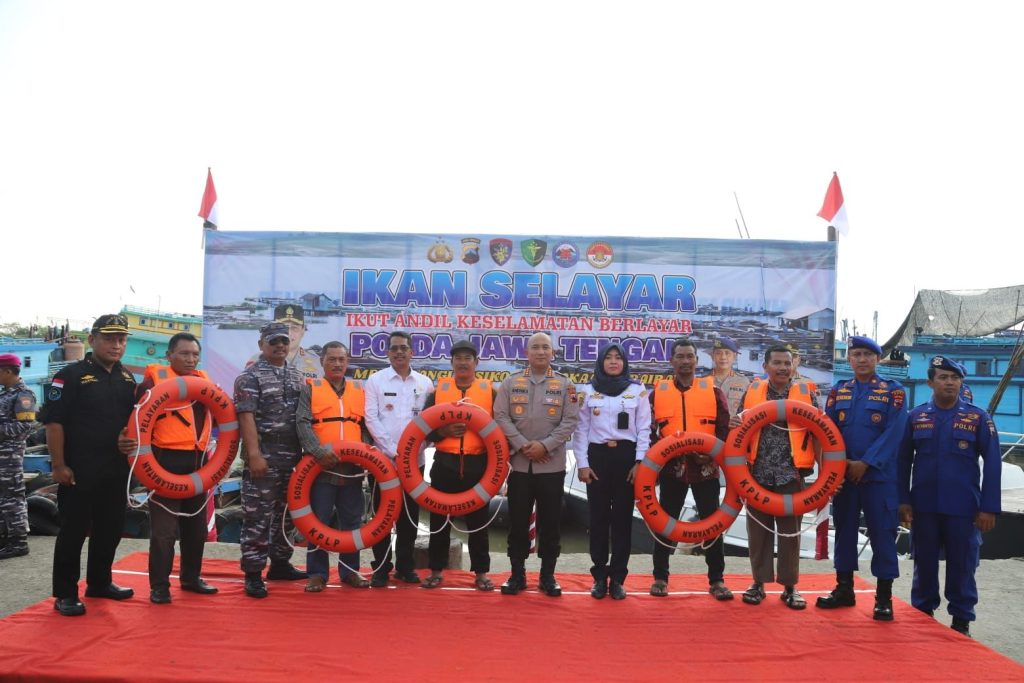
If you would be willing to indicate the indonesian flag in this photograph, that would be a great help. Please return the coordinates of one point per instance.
(833, 210)
(208, 209)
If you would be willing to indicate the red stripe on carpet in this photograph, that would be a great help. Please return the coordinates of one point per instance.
(407, 633)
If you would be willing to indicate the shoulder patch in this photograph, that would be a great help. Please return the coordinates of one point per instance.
(898, 397)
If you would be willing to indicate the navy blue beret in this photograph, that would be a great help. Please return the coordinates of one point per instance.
(859, 342)
(726, 343)
(944, 363)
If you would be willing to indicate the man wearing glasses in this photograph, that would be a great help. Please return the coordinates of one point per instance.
(394, 396)
(266, 396)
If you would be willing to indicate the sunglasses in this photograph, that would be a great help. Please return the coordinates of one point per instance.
(279, 340)
(396, 348)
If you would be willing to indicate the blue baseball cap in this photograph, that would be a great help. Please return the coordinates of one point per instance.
(858, 342)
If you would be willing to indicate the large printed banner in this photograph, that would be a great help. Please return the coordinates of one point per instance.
(497, 291)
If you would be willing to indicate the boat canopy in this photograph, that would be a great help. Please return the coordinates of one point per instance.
(960, 313)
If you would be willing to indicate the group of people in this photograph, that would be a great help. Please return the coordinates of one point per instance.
(922, 465)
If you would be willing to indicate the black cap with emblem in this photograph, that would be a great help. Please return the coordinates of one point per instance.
(111, 323)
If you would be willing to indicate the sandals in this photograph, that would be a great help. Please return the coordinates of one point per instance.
(720, 591)
(754, 595)
(433, 581)
(316, 584)
(793, 599)
(483, 583)
(659, 589)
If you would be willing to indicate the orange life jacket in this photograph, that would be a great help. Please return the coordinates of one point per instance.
(701, 408)
(479, 394)
(175, 428)
(337, 418)
(799, 439)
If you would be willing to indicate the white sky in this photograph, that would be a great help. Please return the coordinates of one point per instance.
(575, 118)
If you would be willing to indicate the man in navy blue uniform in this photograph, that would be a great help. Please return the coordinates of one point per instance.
(944, 494)
(870, 414)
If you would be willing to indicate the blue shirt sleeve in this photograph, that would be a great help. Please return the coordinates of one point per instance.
(992, 467)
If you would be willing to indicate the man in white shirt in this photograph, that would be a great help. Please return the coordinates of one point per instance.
(394, 396)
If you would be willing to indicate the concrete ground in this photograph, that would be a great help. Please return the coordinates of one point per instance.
(26, 580)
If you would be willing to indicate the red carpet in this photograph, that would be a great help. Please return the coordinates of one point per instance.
(459, 634)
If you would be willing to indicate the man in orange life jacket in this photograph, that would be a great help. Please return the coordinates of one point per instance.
(696, 405)
(459, 461)
(779, 461)
(330, 410)
(180, 436)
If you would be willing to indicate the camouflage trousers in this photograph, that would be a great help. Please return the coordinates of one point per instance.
(265, 518)
(13, 510)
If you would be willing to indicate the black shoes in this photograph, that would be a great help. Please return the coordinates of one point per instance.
(883, 600)
(408, 577)
(110, 592)
(254, 586)
(548, 586)
(16, 548)
(515, 583)
(961, 626)
(284, 571)
(617, 591)
(841, 596)
(69, 607)
(199, 586)
(160, 596)
(600, 589)
(379, 579)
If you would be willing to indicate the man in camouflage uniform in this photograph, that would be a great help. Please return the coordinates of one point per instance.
(266, 396)
(17, 417)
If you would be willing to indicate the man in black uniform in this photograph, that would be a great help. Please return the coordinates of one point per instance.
(87, 408)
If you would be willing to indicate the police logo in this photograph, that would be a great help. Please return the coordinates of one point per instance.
(518, 410)
(565, 255)
(533, 251)
(440, 252)
(599, 254)
(501, 250)
(937, 361)
(552, 411)
(876, 418)
(53, 394)
(963, 445)
(470, 250)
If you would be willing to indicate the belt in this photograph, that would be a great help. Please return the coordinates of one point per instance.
(280, 439)
(616, 444)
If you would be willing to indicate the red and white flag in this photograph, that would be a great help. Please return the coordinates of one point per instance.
(208, 209)
(833, 210)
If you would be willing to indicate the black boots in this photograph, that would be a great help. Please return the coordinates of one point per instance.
(547, 584)
(517, 581)
(254, 586)
(961, 626)
(883, 600)
(15, 547)
(842, 595)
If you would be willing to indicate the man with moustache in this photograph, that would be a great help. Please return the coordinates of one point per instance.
(537, 408)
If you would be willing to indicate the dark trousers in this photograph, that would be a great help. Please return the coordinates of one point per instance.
(405, 538)
(96, 509)
(610, 500)
(761, 542)
(671, 496)
(445, 476)
(525, 488)
(961, 541)
(878, 501)
(165, 526)
(325, 498)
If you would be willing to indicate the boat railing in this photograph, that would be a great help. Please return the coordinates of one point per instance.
(1013, 443)
(57, 366)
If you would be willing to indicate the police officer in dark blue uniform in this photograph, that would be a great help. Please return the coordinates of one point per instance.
(870, 414)
(944, 494)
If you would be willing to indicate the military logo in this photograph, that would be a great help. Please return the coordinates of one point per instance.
(566, 255)
(440, 252)
(88, 379)
(937, 361)
(599, 254)
(501, 250)
(55, 390)
(470, 250)
(533, 251)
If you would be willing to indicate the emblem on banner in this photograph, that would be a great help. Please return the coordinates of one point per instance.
(501, 250)
(566, 255)
(440, 252)
(599, 254)
(533, 251)
(470, 250)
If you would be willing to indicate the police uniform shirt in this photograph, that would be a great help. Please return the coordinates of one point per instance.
(537, 407)
(391, 402)
(871, 417)
(734, 386)
(599, 420)
(938, 462)
(17, 416)
(93, 406)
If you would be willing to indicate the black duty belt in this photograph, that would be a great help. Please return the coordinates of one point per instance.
(336, 419)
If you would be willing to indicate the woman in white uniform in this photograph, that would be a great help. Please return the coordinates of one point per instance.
(613, 434)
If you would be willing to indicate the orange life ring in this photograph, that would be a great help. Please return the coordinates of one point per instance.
(659, 521)
(476, 420)
(140, 426)
(832, 465)
(317, 531)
